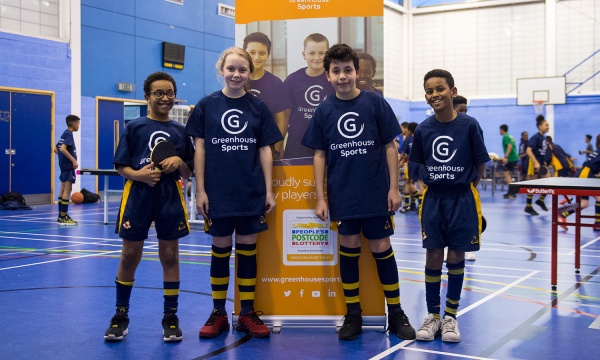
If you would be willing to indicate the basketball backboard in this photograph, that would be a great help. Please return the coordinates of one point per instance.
(551, 90)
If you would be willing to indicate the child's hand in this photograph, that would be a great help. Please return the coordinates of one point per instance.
(270, 203)
(55, 149)
(394, 200)
(171, 164)
(148, 175)
(202, 204)
(321, 210)
(75, 164)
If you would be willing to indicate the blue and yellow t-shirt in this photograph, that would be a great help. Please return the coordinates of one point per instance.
(66, 139)
(538, 145)
(450, 151)
(353, 134)
(233, 130)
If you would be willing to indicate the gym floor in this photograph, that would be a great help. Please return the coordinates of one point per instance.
(57, 294)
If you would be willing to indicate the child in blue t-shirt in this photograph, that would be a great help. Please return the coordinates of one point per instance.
(411, 173)
(450, 145)
(233, 131)
(266, 86)
(537, 146)
(306, 89)
(353, 134)
(152, 195)
(67, 161)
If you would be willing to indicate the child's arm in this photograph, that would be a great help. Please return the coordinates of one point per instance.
(199, 168)
(65, 152)
(282, 119)
(266, 161)
(319, 170)
(508, 150)
(480, 171)
(394, 199)
(145, 174)
(55, 149)
(536, 164)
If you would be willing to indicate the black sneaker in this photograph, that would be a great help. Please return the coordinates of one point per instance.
(398, 324)
(352, 327)
(541, 204)
(530, 210)
(413, 207)
(118, 326)
(171, 330)
(506, 196)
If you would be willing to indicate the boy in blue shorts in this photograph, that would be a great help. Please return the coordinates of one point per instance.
(523, 155)
(306, 89)
(353, 134)
(152, 194)
(67, 161)
(410, 191)
(266, 86)
(450, 145)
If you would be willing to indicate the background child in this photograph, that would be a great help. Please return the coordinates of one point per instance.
(510, 158)
(453, 169)
(67, 161)
(536, 151)
(368, 68)
(306, 89)
(523, 155)
(367, 160)
(234, 175)
(152, 194)
(266, 86)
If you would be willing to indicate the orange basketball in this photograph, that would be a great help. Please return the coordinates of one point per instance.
(77, 198)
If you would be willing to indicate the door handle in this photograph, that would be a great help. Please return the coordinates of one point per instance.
(9, 151)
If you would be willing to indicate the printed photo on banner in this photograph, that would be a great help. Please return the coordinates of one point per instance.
(289, 75)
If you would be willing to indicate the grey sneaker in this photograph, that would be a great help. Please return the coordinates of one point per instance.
(450, 331)
(430, 329)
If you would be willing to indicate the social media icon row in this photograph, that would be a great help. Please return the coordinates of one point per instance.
(315, 293)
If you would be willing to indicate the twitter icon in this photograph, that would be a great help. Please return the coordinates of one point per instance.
(287, 293)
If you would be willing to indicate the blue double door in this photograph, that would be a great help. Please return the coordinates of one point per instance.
(26, 143)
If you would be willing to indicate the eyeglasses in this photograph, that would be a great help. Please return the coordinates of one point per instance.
(159, 94)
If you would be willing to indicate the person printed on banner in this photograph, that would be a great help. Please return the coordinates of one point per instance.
(152, 194)
(450, 145)
(411, 194)
(368, 68)
(536, 151)
(233, 131)
(306, 88)
(353, 133)
(510, 158)
(524, 160)
(67, 161)
(590, 169)
(266, 86)
(589, 148)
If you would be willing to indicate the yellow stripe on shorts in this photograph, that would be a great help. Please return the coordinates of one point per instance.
(126, 192)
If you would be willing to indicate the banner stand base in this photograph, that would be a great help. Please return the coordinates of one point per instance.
(299, 321)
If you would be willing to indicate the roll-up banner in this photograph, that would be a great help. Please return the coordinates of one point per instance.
(298, 281)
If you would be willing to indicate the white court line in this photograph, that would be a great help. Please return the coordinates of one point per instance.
(53, 212)
(405, 343)
(496, 293)
(584, 246)
(595, 324)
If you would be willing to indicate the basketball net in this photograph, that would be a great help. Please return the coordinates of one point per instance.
(539, 106)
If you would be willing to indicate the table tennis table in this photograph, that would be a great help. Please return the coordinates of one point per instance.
(192, 212)
(556, 186)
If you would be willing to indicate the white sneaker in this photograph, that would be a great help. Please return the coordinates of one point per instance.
(430, 329)
(450, 331)
(470, 256)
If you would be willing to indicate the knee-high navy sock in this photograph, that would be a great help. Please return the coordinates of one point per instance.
(246, 275)
(171, 296)
(542, 197)
(597, 207)
(433, 283)
(456, 275)
(350, 276)
(219, 276)
(123, 294)
(388, 275)
(59, 206)
(529, 201)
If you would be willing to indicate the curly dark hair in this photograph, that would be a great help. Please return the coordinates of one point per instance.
(259, 38)
(539, 120)
(412, 127)
(72, 119)
(342, 53)
(440, 74)
(459, 100)
(368, 57)
(159, 75)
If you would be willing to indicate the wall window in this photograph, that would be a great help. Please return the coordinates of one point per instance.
(35, 17)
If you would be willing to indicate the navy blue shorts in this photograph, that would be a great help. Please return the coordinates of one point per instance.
(563, 172)
(509, 166)
(162, 203)
(415, 171)
(243, 225)
(451, 219)
(524, 165)
(67, 175)
(372, 228)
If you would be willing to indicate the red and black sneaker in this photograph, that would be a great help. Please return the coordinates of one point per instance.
(562, 219)
(216, 324)
(596, 226)
(252, 325)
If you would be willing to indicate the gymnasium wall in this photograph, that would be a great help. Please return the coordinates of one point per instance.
(394, 54)
(122, 42)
